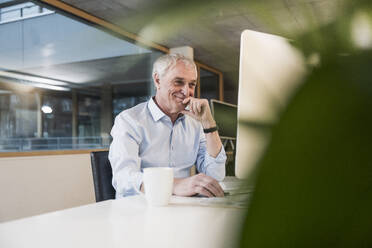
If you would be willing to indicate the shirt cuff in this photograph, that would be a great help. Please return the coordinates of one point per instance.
(137, 181)
(215, 167)
(220, 158)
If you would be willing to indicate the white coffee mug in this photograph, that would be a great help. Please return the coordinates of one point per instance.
(158, 183)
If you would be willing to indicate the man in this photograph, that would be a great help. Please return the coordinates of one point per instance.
(173, 129)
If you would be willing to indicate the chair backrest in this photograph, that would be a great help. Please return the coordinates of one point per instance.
(102, 176)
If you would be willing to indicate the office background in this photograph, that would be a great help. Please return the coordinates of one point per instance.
(67, 68)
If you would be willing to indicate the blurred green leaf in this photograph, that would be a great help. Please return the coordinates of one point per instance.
(314, 185)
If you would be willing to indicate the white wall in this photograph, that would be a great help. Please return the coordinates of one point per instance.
(39, 184)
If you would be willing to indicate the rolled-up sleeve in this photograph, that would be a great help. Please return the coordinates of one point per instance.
(124, 159)
(213, 167)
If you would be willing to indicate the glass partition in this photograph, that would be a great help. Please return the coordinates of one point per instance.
(62, 82)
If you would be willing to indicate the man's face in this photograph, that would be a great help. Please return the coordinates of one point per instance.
(173, 87)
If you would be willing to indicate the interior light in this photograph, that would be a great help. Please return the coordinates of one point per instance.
(32, 78)
(46, 109)
(35, 81)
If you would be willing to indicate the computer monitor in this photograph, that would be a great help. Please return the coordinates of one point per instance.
(225, 115)
(270, 69)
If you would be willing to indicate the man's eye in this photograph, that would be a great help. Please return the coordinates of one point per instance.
(179, 82)
(192, 85)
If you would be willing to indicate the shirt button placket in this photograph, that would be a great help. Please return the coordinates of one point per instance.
(171, 164)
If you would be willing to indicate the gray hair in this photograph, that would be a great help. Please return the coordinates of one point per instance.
(168, 61)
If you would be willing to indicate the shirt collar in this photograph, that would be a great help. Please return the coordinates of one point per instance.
(157, 113)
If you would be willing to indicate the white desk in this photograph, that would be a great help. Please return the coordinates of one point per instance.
(127, 222)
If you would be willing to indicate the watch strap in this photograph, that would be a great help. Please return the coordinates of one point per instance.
(210, 130)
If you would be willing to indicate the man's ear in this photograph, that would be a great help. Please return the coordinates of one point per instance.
(156, 80)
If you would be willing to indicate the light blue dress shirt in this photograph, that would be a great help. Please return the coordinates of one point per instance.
(143, 136)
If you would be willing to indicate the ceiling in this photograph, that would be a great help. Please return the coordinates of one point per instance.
(212, 27)
(132, 68)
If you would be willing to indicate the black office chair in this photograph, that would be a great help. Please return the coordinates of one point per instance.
(102, 176)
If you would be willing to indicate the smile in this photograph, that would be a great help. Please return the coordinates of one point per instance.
(178, 98)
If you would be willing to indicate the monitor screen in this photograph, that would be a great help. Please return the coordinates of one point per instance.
(269, 71)
(225, 115)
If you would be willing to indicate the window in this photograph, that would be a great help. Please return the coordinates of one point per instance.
(21, 11)
(209, 84)
(63, 82)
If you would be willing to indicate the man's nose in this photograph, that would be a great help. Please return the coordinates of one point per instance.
(186, 90)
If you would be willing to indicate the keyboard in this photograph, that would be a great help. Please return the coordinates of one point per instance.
(234, 185)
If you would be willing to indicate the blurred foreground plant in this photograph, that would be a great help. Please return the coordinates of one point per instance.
(314, 185)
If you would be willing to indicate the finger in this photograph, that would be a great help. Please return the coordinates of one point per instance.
(221, 193)
(214, 186)
(208, 186)
(186, 100)
(189, 113)
(199, 107)
(201, 182)
(201, 190)
(205, 107)
(218, 187)
(194, 107)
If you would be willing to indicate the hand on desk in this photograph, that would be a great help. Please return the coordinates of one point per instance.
(198, 184)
